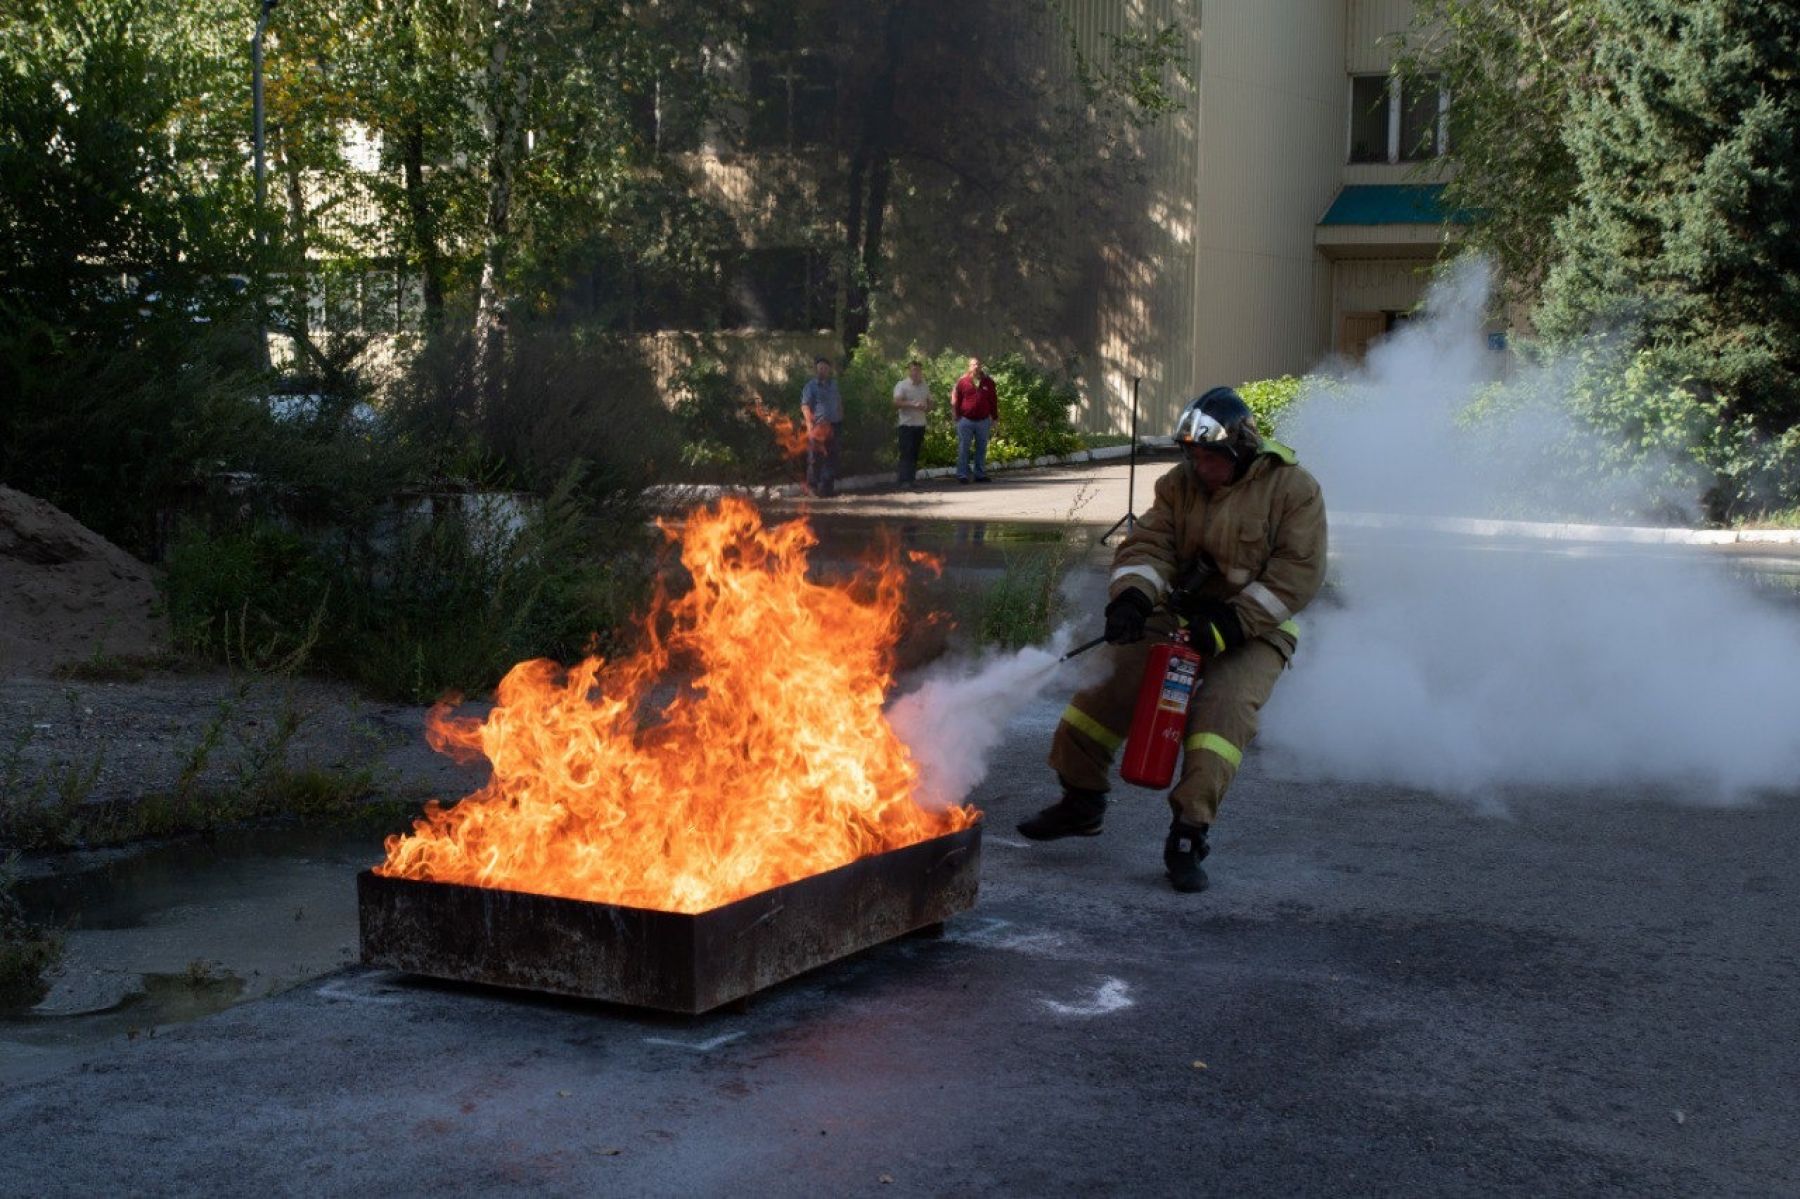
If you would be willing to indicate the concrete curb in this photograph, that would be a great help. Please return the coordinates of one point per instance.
(1563, 531)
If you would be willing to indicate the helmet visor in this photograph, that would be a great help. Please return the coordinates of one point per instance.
(1197, 428)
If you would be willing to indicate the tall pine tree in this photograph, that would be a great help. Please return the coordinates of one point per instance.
(1686, 226)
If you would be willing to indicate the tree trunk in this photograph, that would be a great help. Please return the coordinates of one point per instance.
(508, 85)
(423, 230)
(294, 252)
(871, 172)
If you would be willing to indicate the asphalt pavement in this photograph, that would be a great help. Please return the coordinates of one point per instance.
(1383, 993)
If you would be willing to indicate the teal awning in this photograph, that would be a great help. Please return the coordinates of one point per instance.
(1392, 204)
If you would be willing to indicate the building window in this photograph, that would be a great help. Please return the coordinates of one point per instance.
(793, 101)
(665, 114)
(783, 288)
(1422, 104)
(1395, 120)
(1369, 118)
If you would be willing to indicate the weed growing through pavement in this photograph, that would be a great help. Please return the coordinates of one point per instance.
(1025, 603)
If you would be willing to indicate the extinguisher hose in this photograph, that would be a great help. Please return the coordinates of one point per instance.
(1083, 648)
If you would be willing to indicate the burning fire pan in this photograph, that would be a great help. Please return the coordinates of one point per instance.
(665, 960)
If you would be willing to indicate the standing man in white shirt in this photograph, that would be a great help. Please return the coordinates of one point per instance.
(912, 399)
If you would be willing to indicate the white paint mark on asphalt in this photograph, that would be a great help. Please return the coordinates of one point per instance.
(1006, 841)
(992, 933)
(1114, 995)
(345, 989)
(696, 1046)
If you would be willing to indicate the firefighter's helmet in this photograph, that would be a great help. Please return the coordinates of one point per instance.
(1218, 420)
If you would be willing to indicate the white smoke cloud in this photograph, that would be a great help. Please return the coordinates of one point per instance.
(957, 715)
(1469, 664)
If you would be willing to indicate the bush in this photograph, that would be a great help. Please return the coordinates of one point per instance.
(722, 438)
(439, 596)
(1034, 409)
(1270, 399)
(1631, 443)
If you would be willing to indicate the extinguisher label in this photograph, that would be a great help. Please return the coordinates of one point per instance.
(1178, 686)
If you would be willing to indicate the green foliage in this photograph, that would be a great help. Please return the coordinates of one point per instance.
(1138, 73)
(1034, 409)
(1684, 231)
(1630, 165)
(1269, 399)
(722, 437)
(1512, 68)
(457, 589)
(124, 344)
(1623, 443)
(567, 402)
(1024, 604)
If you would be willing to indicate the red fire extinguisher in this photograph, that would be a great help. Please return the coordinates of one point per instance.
(1170, 678)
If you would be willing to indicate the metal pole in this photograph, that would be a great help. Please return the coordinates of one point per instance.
(1131, 472)
(1128, 522)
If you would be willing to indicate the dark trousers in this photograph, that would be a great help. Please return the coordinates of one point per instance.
(822, 462)
(911, 438)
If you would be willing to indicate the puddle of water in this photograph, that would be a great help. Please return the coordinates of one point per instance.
(163, 999)
(170, 933)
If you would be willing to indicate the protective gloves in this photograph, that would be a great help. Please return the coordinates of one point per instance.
(1213, 626)
(1125, 616)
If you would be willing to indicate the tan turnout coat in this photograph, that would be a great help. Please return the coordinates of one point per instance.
(1258, 543)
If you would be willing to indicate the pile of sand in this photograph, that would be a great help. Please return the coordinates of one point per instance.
(67, 594)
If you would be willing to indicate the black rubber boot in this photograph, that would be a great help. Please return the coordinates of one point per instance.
(1078, 813)
(1182, 854)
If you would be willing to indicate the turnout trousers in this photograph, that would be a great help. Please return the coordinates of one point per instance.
(1221, 724)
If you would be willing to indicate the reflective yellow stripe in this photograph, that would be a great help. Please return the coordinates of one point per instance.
(1218, 745)
(1291, 628)
(1218, 638)
(1075, 718)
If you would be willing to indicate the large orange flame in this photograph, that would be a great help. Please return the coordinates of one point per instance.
(774, 763)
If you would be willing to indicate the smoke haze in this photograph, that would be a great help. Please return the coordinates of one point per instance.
(1468, 664)
(953, 720)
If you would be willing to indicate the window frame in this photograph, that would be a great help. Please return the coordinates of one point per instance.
(1395, 109)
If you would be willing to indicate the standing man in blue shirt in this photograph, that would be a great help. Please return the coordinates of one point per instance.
(823, 409)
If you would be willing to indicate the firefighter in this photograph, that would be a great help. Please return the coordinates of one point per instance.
(1233, 547)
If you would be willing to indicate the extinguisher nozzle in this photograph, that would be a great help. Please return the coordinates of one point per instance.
(1083, 648)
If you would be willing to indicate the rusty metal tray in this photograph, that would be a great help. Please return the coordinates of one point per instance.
(665, 960)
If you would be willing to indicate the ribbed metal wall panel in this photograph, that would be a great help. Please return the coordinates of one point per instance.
(1379, 284)
(1144, 311)
(1368, 47)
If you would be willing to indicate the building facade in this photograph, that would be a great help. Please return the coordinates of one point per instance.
(1305, 213)
(1284, 210)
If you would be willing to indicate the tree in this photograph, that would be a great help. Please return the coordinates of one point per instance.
(1512, 68)
(1685, 228)
(984, 142)
(123, 240)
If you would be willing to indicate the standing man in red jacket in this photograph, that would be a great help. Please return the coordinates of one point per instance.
(976, 405)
